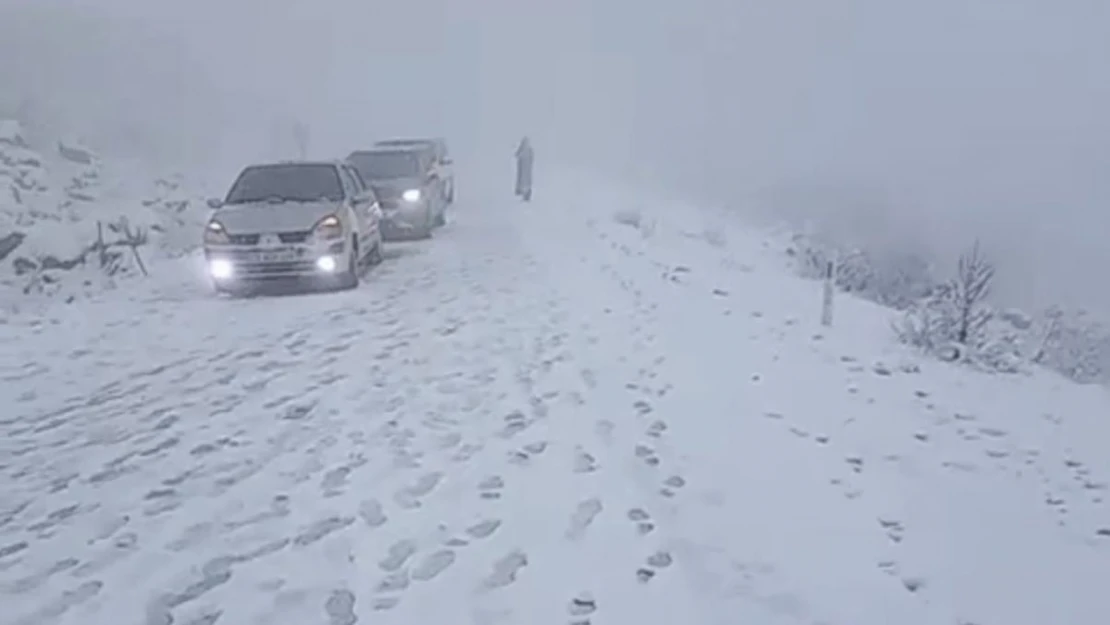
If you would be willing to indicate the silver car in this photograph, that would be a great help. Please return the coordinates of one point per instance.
(302, 220)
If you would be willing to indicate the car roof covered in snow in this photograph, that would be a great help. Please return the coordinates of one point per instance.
(403, 142)
(389, 149)
(332, 162)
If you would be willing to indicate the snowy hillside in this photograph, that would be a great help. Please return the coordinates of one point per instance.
(591, 409)
(70, 220)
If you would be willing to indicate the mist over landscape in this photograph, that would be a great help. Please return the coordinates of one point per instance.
(894, 123)
(711, 312)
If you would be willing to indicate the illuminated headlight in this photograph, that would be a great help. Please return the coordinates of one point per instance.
(412, 195)
(220, 269)
(326, 263)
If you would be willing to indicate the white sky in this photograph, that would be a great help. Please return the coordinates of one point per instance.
(949, 118)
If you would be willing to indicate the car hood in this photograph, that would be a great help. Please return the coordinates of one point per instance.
(265, 217)
(393, 187)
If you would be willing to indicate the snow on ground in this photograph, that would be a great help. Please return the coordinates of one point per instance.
(58, 201)
(580, 410)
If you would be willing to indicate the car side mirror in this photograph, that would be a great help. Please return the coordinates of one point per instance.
(215, 203)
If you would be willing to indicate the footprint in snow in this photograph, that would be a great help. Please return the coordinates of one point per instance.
(340, 608)
(799, 432)
(483, 529)
(655, 562)
(588, 377)
(505, 570)
(389, 589)
(604, 430)
(409, 497)
(523, 455)
(449, 440)
(647, 454)
(465, 452)
(894, 529)
(432, 565)
(405, 459)
(372, 513)
(397, 554)
(581, 608)
(515, 422)
(584, 515)
(60, 605)
(642, 519)
(334, 481)
(490, 488)
(656, 429)
(671, 485)
(321, 529)
(193, 536)
(584, 462)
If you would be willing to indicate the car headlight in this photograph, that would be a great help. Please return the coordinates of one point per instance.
(214, 232)
(221, 269)
(326, 264)
(412, 195)
(329, 228)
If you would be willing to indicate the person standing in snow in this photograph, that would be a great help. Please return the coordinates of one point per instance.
(524, 158)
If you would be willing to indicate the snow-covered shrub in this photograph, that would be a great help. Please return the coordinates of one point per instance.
(72, 223)
(952, 321)
(1073, 343)
(894, 279)
(937, 316)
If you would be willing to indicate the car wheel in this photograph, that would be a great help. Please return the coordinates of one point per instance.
(376, 256)
(425, 231)
(234, 292)
(350, 277)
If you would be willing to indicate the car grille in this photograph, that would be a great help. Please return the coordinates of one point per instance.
(273, 270)
(294, 237)
(243, 239)
(299, 236)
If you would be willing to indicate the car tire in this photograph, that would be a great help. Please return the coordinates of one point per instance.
(425, 231)
(441, 218)
(350, 278)
(376, 256)
(235, 293)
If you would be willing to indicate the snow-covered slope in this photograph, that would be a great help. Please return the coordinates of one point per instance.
(68, 218)
(587, 409)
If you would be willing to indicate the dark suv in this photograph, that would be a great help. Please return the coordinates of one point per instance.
(407, 184)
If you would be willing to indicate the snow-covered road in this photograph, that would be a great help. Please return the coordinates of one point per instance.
(531, 419)
(395, 449)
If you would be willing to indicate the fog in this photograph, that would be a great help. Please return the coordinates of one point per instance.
(898, 123)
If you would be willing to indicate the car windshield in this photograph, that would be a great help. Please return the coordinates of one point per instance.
(296, 182)
(383, 165)
(397, 143)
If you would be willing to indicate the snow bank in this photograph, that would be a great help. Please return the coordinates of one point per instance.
(72, 222)
(837, 463)
(1070, 342)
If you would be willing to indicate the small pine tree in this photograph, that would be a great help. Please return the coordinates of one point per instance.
(971, 289)
(952, 318)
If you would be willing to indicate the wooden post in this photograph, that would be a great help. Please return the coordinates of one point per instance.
(101, 253)
(827, 295)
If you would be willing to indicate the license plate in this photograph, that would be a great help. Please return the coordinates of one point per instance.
(276, 257)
